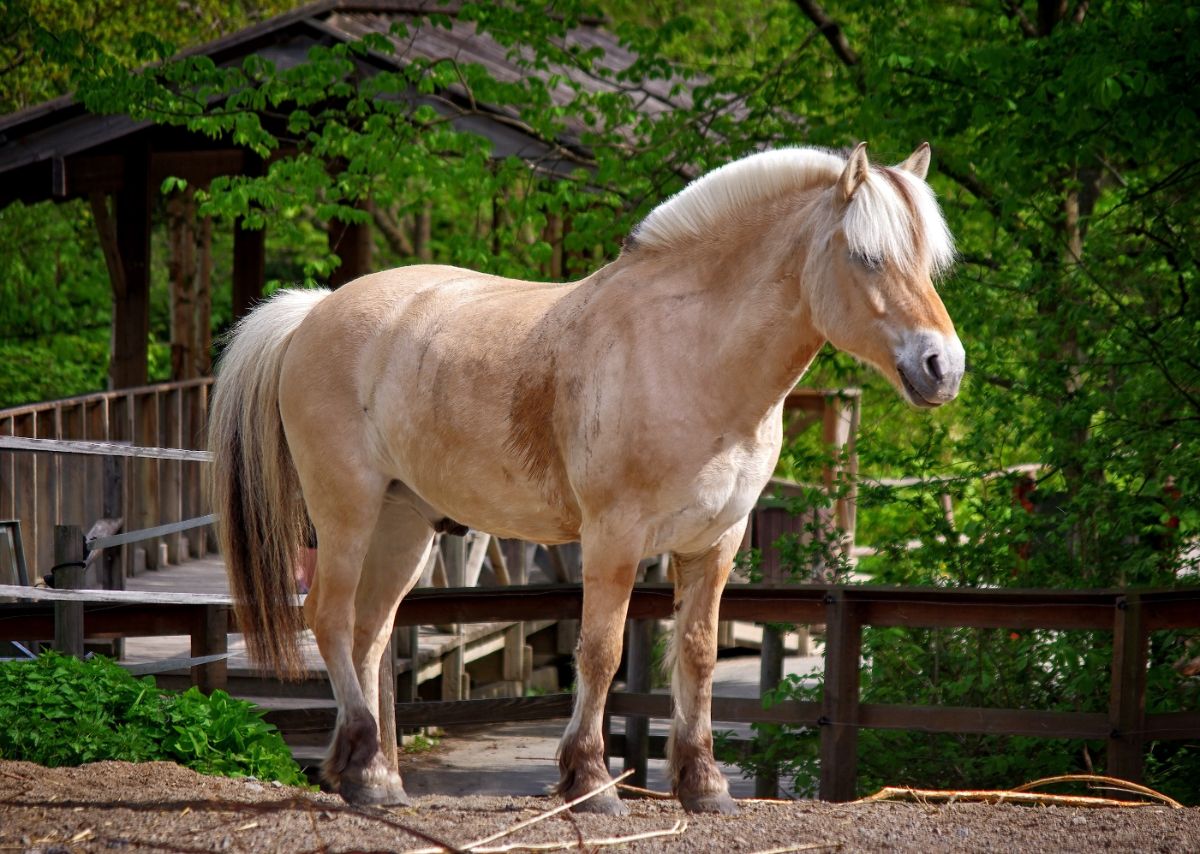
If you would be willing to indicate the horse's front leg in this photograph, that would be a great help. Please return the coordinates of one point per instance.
(609, 567)
(699, 581)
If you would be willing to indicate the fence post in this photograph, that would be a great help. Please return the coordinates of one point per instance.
(210, 636)
(68, 575)
(839, 715)
(638, 665)
(1127, 703)
(770, 674)
(387, 703)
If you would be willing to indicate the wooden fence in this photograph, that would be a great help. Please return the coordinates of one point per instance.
(1130, 614)
(42, 490)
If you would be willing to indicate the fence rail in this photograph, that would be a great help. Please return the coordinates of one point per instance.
(1130, 614)
(138, 486)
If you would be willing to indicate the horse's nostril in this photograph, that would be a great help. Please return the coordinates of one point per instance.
(932, 366)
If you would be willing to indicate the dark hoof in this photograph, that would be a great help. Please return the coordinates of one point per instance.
(389, 794)
(719, 803)
(602, 805)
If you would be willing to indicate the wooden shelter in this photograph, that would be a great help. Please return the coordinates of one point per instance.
(58, 151)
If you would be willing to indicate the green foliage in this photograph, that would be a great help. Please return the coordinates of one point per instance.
(1062, 162)
(56, 710)
(420, 743)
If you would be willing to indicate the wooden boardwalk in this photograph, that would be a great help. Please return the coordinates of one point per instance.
(436, 645)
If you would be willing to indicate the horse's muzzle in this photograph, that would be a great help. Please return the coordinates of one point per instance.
(930, 366)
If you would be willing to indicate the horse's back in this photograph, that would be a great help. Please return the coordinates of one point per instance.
(417, 368)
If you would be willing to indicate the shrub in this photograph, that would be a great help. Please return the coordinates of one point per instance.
(56, 710)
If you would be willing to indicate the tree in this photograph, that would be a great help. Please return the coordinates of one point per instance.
(1060, 135)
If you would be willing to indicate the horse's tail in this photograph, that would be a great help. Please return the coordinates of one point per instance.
(252, 481)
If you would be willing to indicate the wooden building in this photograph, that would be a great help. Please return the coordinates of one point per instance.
(59, 151)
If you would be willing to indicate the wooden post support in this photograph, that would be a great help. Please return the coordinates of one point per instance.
(210, 636)
(770, 673)
(407, 640)
(839, 714)
(131, 291)
(1127, 704)
(388, 742)
(638, 664)
(68, 575)
(454, 674)
(454, 551)
(113, 508)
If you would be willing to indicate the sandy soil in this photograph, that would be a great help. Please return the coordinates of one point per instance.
(113, 806)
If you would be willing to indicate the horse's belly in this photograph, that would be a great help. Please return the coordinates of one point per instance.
(498, 503)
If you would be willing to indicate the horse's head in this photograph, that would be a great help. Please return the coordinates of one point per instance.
(870, 272)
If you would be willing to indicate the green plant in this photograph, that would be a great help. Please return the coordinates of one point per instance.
(421, 742)
(56, 710)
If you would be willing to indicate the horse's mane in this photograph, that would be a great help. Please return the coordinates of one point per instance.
(893, 215)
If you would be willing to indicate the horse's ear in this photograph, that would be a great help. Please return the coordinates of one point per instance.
(918, 162)
(855, 172)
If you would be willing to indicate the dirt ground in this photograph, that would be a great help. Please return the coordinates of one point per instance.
(114, 806)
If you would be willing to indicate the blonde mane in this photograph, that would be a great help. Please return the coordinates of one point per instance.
(893, 216)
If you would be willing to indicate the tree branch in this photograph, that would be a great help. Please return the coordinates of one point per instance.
(387, 223)
(1014, 10)
(833, 34)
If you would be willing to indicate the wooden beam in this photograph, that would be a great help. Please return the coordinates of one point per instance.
(249, 256)
(86, 174)
(351, 242)
(197, 167)
(131, 304)
(249, 268)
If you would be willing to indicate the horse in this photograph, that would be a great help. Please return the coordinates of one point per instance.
(637, 410)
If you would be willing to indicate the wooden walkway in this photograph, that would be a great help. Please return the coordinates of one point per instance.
(436, 645)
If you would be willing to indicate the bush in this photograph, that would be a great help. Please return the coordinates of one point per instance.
(56, 710)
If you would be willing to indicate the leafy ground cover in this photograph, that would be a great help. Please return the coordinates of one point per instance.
(59, 711)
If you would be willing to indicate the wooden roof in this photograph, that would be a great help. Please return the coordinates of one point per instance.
(58, 150)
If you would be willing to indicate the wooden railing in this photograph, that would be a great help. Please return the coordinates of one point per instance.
(42, 490)
(1131, 615)
(1125, 725)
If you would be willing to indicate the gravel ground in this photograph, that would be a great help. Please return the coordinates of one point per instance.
(114, 806)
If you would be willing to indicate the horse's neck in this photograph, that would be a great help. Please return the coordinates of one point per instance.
(740, 313)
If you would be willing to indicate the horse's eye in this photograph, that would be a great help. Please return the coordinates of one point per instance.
(874, 263)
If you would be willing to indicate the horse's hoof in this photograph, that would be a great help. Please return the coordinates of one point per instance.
(389, 794)
(720, 803)
(602, 805)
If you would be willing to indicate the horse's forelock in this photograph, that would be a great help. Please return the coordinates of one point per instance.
(894, 217)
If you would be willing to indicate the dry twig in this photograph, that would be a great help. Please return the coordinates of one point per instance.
(584, 844)
(521, 825)
(1114, 783)
(476, 846)
(1021, 795)
(646, 793)
(807, 846)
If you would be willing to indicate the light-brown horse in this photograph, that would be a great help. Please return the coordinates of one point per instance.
(637, 410)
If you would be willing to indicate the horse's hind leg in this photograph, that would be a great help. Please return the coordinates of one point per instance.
(609, 567)
(699, 580)
(343, 502)
(399, 547)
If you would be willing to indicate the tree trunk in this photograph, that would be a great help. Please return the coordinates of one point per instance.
(181, 273)
(189, 271)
